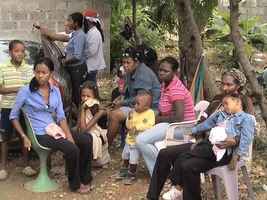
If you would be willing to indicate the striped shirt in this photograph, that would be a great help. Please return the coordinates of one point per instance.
(13, 76)
(176, 91)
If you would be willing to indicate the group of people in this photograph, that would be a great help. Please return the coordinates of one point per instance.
(148, 103)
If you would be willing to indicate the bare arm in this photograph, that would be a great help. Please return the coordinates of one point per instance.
(17, 126)
(176, 116)
(63, 124)
(9, 90)
(86, 127)
(54, 36)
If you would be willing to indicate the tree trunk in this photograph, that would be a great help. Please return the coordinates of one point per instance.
(137, 40)
(243, 58)
(190, 45)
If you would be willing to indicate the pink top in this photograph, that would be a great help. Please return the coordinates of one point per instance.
(176, 91)
(121, 84)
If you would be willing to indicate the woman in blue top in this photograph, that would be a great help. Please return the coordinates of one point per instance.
(76, 50)
(43, 105)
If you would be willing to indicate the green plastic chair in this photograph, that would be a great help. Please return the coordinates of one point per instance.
(42, 183)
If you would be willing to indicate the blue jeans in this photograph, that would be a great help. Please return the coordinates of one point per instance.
(145, 142)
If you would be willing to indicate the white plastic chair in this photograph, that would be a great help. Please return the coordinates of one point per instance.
(230, 179)
(169, 140)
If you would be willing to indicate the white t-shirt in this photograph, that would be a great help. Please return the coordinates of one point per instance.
(95, 53)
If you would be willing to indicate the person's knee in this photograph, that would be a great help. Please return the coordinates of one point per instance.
(72, 151)
(116, 115)
(163, 154)
(86, 140)
(139, 141)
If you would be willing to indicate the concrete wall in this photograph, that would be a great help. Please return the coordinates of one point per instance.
(249, 8)
(17, 17)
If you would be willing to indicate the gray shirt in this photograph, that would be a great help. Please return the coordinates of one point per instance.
(143, 78)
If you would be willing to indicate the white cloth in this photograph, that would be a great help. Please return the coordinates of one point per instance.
(217, 135)
(94, 50)
(97, 132)
(55, 131)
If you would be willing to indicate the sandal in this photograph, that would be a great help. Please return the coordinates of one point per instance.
(3, 175)
(29, 171)
(84, 189)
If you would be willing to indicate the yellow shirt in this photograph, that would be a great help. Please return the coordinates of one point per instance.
(13, 76)
(139, 122)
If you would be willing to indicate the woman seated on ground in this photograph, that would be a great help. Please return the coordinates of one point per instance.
(43, 105)
(184, 163)
(175, 105)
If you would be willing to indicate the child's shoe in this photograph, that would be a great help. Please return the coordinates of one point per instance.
(129, 179)
(121, 174)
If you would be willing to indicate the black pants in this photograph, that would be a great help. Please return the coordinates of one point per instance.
(78, 156)
(91, 76)
(78, 76)
(183, 166)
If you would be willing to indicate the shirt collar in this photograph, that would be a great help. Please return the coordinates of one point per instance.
(135, 72)
(74, 33)
(11, 64)
(171, 84)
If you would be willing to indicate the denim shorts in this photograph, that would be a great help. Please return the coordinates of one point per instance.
(6, 124)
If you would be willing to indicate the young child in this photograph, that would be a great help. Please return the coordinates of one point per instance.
(120, 81)
(140, 119)
(14, 74)
(90, 120)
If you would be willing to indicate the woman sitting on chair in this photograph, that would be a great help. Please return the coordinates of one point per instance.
(232, 132)
(175, 105)
(43, 105)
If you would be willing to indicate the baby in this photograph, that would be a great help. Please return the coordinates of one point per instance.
(140, 119)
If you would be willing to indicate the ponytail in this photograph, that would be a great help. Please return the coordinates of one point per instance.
(34, 85)
(85, 25)
(98, 26)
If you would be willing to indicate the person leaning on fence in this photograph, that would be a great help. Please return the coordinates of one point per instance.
(43, 104)
(184, 163)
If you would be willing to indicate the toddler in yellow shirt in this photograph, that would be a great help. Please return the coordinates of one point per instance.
(141, 118)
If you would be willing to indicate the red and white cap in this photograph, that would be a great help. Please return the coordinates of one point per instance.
(91, 15)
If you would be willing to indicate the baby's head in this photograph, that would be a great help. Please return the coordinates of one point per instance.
(143, 101)
(232, 103)
(89, 90)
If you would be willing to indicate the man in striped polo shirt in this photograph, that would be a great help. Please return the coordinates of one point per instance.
(14, 73)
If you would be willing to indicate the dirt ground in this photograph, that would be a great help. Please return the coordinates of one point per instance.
(106, 188)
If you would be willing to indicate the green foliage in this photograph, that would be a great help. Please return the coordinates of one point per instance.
(217, 35)
(164, 12)
(148, 30)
